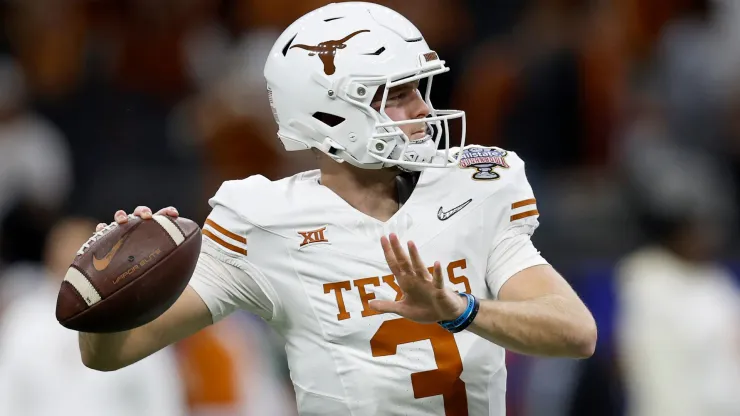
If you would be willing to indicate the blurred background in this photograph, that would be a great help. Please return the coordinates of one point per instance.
(626, 111)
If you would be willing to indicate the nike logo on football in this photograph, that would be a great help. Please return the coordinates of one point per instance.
(102, 264)
(444, 215)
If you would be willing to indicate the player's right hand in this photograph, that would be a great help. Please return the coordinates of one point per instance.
(141, 211)
(425, 299)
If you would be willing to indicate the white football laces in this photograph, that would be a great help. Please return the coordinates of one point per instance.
(97, 235)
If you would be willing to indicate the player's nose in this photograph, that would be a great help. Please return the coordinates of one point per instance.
(419, 107)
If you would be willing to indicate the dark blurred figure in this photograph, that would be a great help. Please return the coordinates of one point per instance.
(691, 72)
(493, 18)
(522, 90)
(731, 145)
(678, 311)
(35, 170)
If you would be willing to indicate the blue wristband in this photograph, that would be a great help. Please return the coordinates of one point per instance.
(466, 318)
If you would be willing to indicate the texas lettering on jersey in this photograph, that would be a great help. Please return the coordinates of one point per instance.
(361, 285)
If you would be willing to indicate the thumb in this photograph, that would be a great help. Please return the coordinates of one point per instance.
(385, 306)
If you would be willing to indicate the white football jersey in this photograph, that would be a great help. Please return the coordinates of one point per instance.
(298, 255)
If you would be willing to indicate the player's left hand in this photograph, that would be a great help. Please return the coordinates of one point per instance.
(425, 297)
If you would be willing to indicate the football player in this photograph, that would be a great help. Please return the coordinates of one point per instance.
(400, 270)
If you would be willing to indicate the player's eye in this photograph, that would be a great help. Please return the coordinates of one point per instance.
(399, 95)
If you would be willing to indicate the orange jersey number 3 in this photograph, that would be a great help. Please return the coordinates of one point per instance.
(445, 380)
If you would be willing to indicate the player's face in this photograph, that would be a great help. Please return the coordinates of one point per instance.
(405, 103)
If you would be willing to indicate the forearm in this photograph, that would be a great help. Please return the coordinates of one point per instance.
(549, 325)
(106, 352)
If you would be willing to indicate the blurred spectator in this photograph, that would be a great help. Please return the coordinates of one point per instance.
(678, 321)
(34, 159)
(41, 372)
(49, 37)
(732, 138)
(689, 62)
(35, 167)
(229, 118)
(521, 91)
(229, 370)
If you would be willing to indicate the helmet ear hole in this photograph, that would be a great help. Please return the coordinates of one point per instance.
(331, 120)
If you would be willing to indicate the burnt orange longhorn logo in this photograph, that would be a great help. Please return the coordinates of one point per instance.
(327, 50)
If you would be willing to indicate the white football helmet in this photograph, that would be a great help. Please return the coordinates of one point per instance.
(323, 72)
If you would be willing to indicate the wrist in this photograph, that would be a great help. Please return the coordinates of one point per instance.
(464, 319)
(462, 305)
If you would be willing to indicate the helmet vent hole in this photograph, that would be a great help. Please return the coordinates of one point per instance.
(378, 52)
(330, 120)
(287, 45)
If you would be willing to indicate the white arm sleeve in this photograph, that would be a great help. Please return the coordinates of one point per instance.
(512, 254)
(224, 277)
(512, 250)
(226, 284)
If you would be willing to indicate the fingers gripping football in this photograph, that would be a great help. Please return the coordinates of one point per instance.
(142, 212)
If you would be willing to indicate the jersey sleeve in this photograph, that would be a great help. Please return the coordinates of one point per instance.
(224, 276)
(512, 249)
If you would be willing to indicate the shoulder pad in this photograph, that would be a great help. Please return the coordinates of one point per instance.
(258, 199)
(237, 194)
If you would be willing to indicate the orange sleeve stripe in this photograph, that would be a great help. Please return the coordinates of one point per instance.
(525, 215)
(224, 231)
(224, 243)
(524, 203)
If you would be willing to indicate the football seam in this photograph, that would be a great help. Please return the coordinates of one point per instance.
(127, 284)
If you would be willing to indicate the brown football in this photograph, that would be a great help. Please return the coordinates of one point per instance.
(127, 275)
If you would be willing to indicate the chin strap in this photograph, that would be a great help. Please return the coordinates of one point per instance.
(424, 150)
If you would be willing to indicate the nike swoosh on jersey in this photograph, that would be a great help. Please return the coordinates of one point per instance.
(444, 215)
(102, 264)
